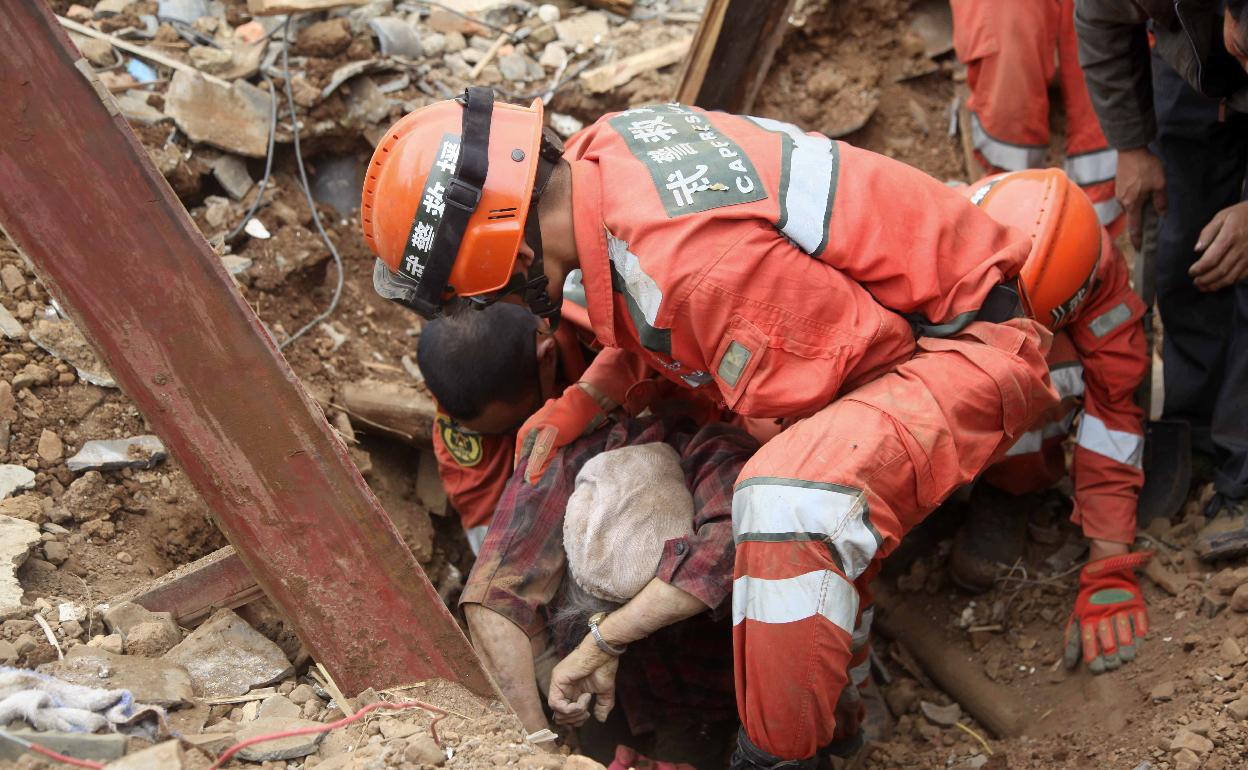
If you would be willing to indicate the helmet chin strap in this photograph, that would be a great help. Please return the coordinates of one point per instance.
(533, 287)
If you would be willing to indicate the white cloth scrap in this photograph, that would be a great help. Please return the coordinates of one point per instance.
(47, 703)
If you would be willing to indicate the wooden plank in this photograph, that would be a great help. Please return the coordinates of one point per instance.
(399, 411)
(113, 244)
(138, 50)
(193, 591)
(617, 73)
(277, 7)
(732, 53)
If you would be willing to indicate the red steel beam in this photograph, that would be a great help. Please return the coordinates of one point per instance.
(79, 196)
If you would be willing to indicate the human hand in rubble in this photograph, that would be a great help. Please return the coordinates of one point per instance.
(1224, 242)
(558, 423)
(586, 675)
(1110, 618)
(1141, 179)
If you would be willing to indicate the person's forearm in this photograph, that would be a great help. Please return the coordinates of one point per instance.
(505, 650)
(658, 605)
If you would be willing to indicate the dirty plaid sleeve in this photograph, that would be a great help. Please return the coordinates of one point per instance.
(522, 561)
(701, 564)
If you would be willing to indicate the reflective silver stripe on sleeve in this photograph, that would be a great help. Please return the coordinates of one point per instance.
(812, 174)
(1119, 445)
(640, 286)
(1011, 157)
(862, 634)
(1108, 211)
(773, 509)
(1033, 440)
(860, 673)
(1068, 381)
(1109, 320)
(1092, 167)
(788, 600)
(476, 538)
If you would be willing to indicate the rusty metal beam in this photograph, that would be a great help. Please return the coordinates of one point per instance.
(194, 591)
(79, 196)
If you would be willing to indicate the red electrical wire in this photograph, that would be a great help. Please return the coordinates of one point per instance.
(62, 758)
(433, 727)
(231, 751)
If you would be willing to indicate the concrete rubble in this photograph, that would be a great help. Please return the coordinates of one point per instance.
(151, 680)
(16, 539)
(116, 454)
(225, 656)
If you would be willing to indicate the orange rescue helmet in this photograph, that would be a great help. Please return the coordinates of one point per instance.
(447, 200)
(1065, 236)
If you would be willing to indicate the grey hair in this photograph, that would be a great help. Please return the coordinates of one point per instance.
(570, 613)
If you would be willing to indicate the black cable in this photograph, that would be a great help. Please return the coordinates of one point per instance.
(307, 191)
(268, 163)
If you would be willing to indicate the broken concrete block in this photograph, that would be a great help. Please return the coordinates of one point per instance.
(396, 36)
(211, 743)
(61, 339)
(235, 119)
(15, 478)
(235, 265)
(135, 107)
(115, 454)
(231, 172)
(10, 327)
(286, 748)
(17, 537)
(278, 707)
(162, 756)
(153, 639)
(122, 618)
(226, 657)
(155, 681)
(585, 29)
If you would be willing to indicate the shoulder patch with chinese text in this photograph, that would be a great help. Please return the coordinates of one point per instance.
(695, 168)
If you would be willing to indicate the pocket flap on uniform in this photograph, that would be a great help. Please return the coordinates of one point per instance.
(738, 355)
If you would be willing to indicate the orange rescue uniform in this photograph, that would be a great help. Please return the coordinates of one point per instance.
(1097, 361)
(1012, 51)
(790, 276)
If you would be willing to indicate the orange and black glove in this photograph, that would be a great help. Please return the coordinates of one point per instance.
(558, 423)
(1110, 619)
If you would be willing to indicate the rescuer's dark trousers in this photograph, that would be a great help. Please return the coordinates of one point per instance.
(1205, 340)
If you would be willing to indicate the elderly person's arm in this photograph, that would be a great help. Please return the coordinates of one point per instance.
(694, 576)
(505, 649)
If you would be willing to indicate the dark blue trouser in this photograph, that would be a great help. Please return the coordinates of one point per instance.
(1205, 348)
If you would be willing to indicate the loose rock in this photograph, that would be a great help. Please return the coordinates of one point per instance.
(286, 748)
(14, 478)
(324, 38)
(585, 29)
(150, 680)
(1238, 709)
(231, 172)
(278, 707)
(944, 716)
(12, 278)
(17, 537)
(1185, 759)
(302, 694)
(152, 639)
(1239, 599)
(1186, 739)
(10, 327)
(50, 447)
(225, 656)
(1162, 692)
(163, 756)
(115, 454)
(422, 750)
(1231, 652)
(62, 339)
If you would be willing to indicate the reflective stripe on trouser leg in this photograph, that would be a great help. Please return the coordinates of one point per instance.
(836, 491)
(1004, 155)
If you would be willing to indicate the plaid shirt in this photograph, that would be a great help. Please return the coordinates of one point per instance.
(686, 666)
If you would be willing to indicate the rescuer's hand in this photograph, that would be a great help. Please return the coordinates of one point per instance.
(1224, 242)
(1110, 619)
(558, 423)
(1140, 179)
(587, 674)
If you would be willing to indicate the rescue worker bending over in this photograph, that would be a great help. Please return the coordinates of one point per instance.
(786, 275)
(1077, 284)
